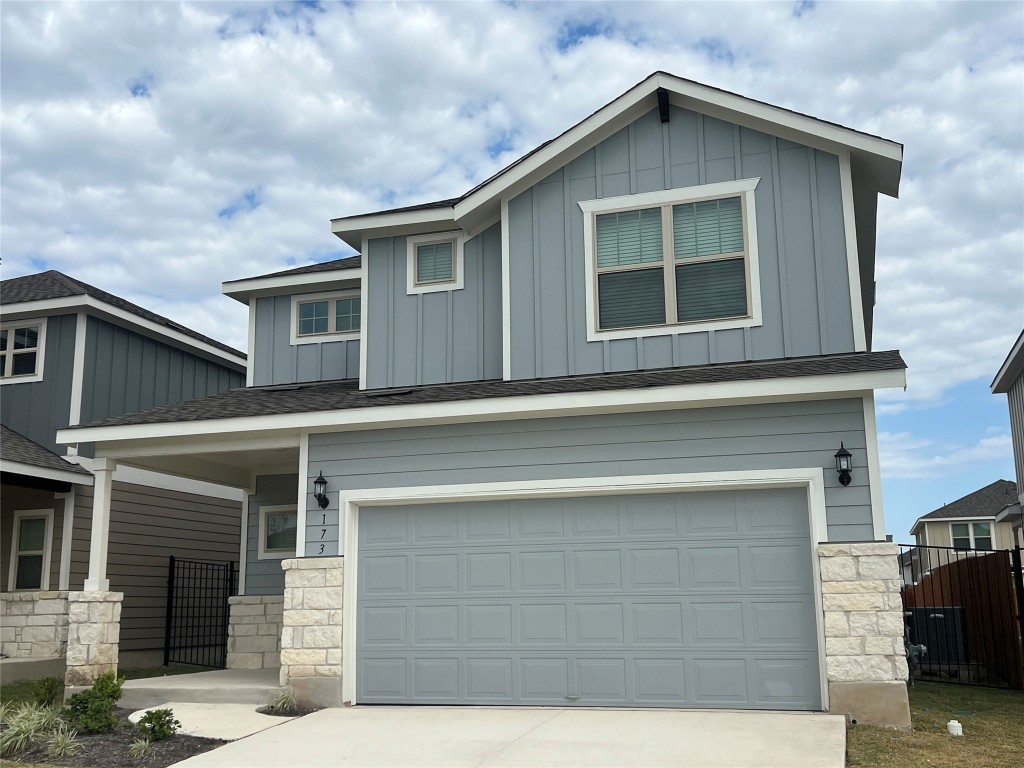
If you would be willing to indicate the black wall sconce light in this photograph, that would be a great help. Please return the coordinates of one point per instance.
(844, 463)
(320, 491)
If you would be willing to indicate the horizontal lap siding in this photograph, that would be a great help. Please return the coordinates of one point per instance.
(14, 499)
(770, 436)
(147, 526)
(265, 577)
(805, 295)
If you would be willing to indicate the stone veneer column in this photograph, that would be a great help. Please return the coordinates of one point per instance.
(254, 631)
(94, 630)
(33, 625)
(864, 654)
(311, 635)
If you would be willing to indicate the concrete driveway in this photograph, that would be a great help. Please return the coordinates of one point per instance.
(464, 736)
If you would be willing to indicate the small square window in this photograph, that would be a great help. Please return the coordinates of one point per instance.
(434, 262)
(21, 348)
(347, 312)
(278, 532)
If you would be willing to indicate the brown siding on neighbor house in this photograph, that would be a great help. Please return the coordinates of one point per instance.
(938, 534)
(148, 525)
(14, 499)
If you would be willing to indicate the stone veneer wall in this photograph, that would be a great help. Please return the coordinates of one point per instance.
(94, 630)
(864, 654)
(33, 625)
(311, 635)
(254, 631)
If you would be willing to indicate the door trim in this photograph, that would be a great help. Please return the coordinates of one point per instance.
(350, 502)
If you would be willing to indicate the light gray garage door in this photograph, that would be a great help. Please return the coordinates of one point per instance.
(660, 600)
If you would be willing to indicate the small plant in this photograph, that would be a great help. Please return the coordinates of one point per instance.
(25, 724)
(140, 748)
(94, 710)
(158, 724)
(6, 710)
(284, 701)
(63, 742)
(49, 691)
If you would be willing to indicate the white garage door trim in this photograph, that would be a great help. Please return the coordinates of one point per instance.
(351, 501)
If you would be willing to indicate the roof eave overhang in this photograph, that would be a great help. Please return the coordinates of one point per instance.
(45, 473)
(1011, 368)
(1009, 513)
(255, 287)
(354, 230)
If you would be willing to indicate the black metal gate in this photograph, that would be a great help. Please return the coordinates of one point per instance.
(966, 607)
(197, 611)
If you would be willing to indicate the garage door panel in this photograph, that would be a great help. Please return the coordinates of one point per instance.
(535, 602)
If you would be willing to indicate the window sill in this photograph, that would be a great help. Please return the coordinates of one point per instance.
(275, 555)
(323, 338)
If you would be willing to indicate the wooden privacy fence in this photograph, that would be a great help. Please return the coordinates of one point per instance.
(965, 606)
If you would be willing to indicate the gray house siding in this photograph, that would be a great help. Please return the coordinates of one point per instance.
(768, 436)
(805, 292)
(38, 409)
(126, 372)
(433, 337)
(265, 577)
(1015, 396)
(277, 361)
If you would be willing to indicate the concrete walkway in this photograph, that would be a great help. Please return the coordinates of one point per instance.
(225, 686)
(216, 721)
(462, 737)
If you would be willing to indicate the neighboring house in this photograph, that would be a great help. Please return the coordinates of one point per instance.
(971, 522)
(72, 353)
(1010, 380)
(570, 438)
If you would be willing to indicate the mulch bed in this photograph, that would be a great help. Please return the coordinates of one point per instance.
(297, 712)
(110, 750)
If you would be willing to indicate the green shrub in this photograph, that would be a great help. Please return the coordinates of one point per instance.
(94, 710)
(140, 748)
(158, 724)
(63, 742)
(49, 691)
(25, 724)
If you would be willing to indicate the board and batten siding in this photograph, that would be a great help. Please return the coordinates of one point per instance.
(147, 526)
(37, 409)
(1015, 398)
(265, 577)
(752, 437)
(805, 290)
(434, 337)
(277, 361)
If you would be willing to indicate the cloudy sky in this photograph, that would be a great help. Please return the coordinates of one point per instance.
(156, 149)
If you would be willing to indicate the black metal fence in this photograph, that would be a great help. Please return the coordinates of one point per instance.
(966, 608)
(197, 611)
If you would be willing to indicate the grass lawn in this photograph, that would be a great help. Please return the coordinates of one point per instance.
(993, 722)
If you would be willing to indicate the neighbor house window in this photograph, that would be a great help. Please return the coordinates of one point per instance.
(278, 530)
(434, 262)
(21, 351)
(971, 535)
(327, 317)
(30, 550)
(683, 259)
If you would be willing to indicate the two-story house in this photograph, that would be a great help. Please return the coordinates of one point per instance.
(73, 353)
(598, 432)
(1009, 380)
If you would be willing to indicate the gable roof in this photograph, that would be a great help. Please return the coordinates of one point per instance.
(877, 161)
(53, 285)
(985, 502)
(318, 276)
(1011, 369)
(20, 455)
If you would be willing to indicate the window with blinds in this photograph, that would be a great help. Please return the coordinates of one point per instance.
(435, 263)
(672, 263)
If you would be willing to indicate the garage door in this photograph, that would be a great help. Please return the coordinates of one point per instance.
(649, 600)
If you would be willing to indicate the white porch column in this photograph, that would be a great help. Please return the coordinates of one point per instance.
(103, 471)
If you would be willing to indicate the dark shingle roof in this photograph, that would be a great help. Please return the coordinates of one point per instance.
(985, 502)
(345, 394)
(57, 285)
(349, 262)
(18, 448)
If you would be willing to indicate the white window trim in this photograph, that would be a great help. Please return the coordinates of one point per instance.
(40, 350)
(970, 531)
(458, 238)
(320, 338)
(261, 552)
(743, 188)
(44, 584)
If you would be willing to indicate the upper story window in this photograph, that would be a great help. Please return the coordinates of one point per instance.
(434, 262)
(326, 317)
(679, 260)
(971, 535)
(21, 351)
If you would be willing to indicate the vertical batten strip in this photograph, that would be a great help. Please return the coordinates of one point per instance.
(780, 244)
(819, 267)
(569, 260)
(535, 254)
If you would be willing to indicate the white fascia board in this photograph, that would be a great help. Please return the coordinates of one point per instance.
(1011, 368)
(1008, 512)
(243, 290)
(507, 408)
(106, 311)
(44, 473)
(860, 343)
(354, 229)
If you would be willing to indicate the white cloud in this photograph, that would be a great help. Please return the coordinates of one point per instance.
(905, 456)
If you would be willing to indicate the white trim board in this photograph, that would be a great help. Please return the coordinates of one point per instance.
(860, 343)
(161, 481)
(45, 473)
(78, 369)
(458, 240)
(874, 466)
(246, 289)
(518, 407)
(350, 503)
(67, 534)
